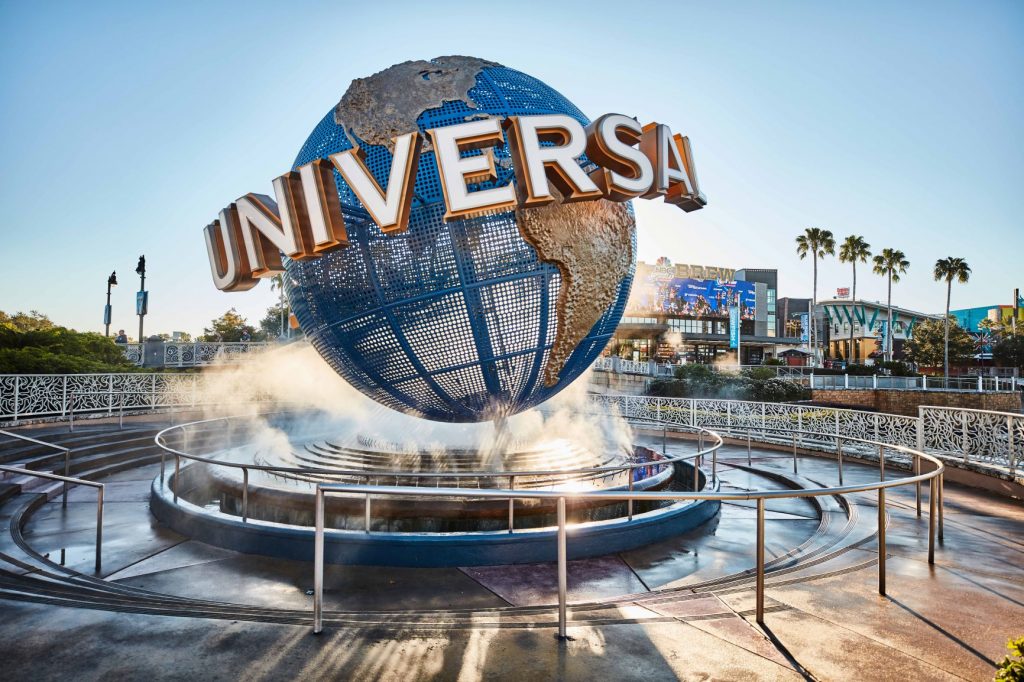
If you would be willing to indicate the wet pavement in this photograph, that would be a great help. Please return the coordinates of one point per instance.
(678, 609)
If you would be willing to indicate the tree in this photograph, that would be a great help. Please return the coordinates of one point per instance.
(26, 322)
(270, 324)
(819, 243)
(1008, 350)
(228, 327)
(938, 341)
(854, 249)
(949, 269)
(891, 263)
(277, 282)
(32, 344)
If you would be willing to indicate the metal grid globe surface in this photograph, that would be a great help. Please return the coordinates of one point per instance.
(448, 321)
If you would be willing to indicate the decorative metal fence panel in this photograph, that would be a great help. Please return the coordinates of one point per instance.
(807, 377)
(995, 438)
(974, 435)
(208, 352)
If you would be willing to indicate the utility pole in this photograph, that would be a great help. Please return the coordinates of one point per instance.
(142, 299)
(111, 282)
(1016, 306)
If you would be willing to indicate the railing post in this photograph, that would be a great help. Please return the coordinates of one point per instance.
(366, 511)
(110, 394)
(664, 440)
(874, 382)
(748, 448)
(563, 578)
(152, 393)
(846, 381)
(67, 472)
(318, 564)
(1012, 450)
(99, 529)
(931, 519)
(881, 541)
(799, 424)
(693, 412)
(696, 474)
(177, 482)
(760, 561)
(942, 506)
(629, 502)
(917, 459)
(245, 494)
(794, 453)
(979, 384)
(839, 458)
(924, 382)
(511, 504)
(881, 462)
(17, 397)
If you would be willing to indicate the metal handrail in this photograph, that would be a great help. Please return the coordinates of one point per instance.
(628, 467)
(61, 448)
(76, 481)
(934, 478)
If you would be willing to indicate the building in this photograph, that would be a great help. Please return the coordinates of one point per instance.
(970, 318)
(790, 320)
(868, 322)
(680, 312)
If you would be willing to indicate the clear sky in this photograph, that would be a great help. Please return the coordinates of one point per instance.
(125, 127)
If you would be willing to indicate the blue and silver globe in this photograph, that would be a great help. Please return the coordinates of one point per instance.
(448, 321)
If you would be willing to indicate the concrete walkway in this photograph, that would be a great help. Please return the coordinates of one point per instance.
(648, 614)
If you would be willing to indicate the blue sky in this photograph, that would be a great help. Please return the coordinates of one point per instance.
(125, 127)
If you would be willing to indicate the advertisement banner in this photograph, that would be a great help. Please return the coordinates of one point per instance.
(687, 297)
(734, 326)
(805, 328)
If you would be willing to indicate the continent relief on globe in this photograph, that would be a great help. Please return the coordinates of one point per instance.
(590, 243)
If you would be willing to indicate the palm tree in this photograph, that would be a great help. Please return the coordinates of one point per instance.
(854, 249)
(892, 263)
(277, 282)
(819, 243)
(949, 269)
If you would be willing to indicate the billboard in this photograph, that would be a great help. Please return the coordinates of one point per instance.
(687, 297)
(734, 326)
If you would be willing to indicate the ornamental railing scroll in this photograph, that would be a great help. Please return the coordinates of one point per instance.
(200, 353)
(980, 436)
(134, 352)
(734, 417)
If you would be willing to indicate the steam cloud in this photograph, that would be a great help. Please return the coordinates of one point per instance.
(295, 378)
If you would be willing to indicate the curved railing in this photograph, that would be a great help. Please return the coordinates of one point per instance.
(933, 477)
(570, 475)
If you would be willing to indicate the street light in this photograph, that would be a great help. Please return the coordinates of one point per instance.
(142, 298)
(111, 282)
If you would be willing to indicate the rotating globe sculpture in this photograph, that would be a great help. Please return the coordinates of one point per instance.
(473, 319)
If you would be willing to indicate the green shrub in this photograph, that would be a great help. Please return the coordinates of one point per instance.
(57, 350)
(897, 368)
(1011, 668)
(700, 382)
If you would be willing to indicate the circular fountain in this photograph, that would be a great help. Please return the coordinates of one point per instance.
(249, 484)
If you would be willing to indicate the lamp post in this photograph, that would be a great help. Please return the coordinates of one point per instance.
(142, 300)
(111, 282)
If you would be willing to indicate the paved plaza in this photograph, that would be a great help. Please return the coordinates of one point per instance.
(170, 607)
